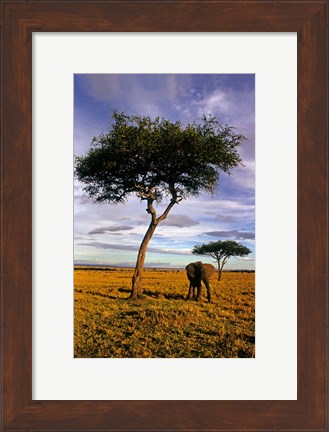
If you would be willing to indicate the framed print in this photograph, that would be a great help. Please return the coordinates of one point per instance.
(165, 351)
(146, 393)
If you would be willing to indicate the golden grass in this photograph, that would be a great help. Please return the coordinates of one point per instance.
(163, 323)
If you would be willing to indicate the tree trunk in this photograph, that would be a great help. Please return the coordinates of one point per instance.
(219, 270)
(136, 288)
(136, 282)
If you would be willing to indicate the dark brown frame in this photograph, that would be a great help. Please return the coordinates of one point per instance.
(19, 20)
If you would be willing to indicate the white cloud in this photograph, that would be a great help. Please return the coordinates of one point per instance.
(141, 93)
(216, 103)
(244, 177)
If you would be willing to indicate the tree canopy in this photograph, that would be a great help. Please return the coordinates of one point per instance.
(155, 159)
(221, 251)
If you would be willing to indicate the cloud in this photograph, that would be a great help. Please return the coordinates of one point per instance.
(115, 246)
(112, 229)
(180, 221)
(225, 218)
(237, 235)
(245, 258)
(240, 208)
(244, 177)
(83, 261)
(213, 103)
(100, 245)
(138, 93)
(82, 199)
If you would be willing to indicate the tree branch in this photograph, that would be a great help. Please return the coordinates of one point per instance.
(225, 259)
(165, 213)
(151, 210)
(175, 199)
(146, 192)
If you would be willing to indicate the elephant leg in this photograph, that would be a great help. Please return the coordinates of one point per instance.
(190, 292)
(208, 286)
(198, 296)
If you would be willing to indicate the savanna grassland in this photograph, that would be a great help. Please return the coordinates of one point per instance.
(162, 323)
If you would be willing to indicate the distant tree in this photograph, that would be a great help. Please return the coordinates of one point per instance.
(156, 159)
(221, 251)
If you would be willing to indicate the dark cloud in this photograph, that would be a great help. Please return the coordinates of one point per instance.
(180, 221)
(112, 229)
(236, 235)
(100, 245)
(84, 237)
(133, 248)
(83, 199)
(225, 218)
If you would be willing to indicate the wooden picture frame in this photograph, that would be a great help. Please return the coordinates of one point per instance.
(19, 21)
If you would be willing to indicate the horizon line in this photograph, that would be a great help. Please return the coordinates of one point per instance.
(81, 264)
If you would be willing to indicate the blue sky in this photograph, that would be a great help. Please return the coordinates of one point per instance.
(111, 234)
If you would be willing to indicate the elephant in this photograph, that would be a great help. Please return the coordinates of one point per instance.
(199, 272)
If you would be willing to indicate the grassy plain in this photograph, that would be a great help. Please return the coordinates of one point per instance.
(163, 323)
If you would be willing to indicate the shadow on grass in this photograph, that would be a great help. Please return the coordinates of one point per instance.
(125, 290)
(112, 297)
(129, 313)
(160, 295)
(153, 294)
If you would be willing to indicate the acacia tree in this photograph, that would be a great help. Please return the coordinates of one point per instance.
(221, 251)
(155, 160)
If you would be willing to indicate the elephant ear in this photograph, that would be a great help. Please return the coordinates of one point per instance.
(211, 268)
(190, 268)
(195, 269)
